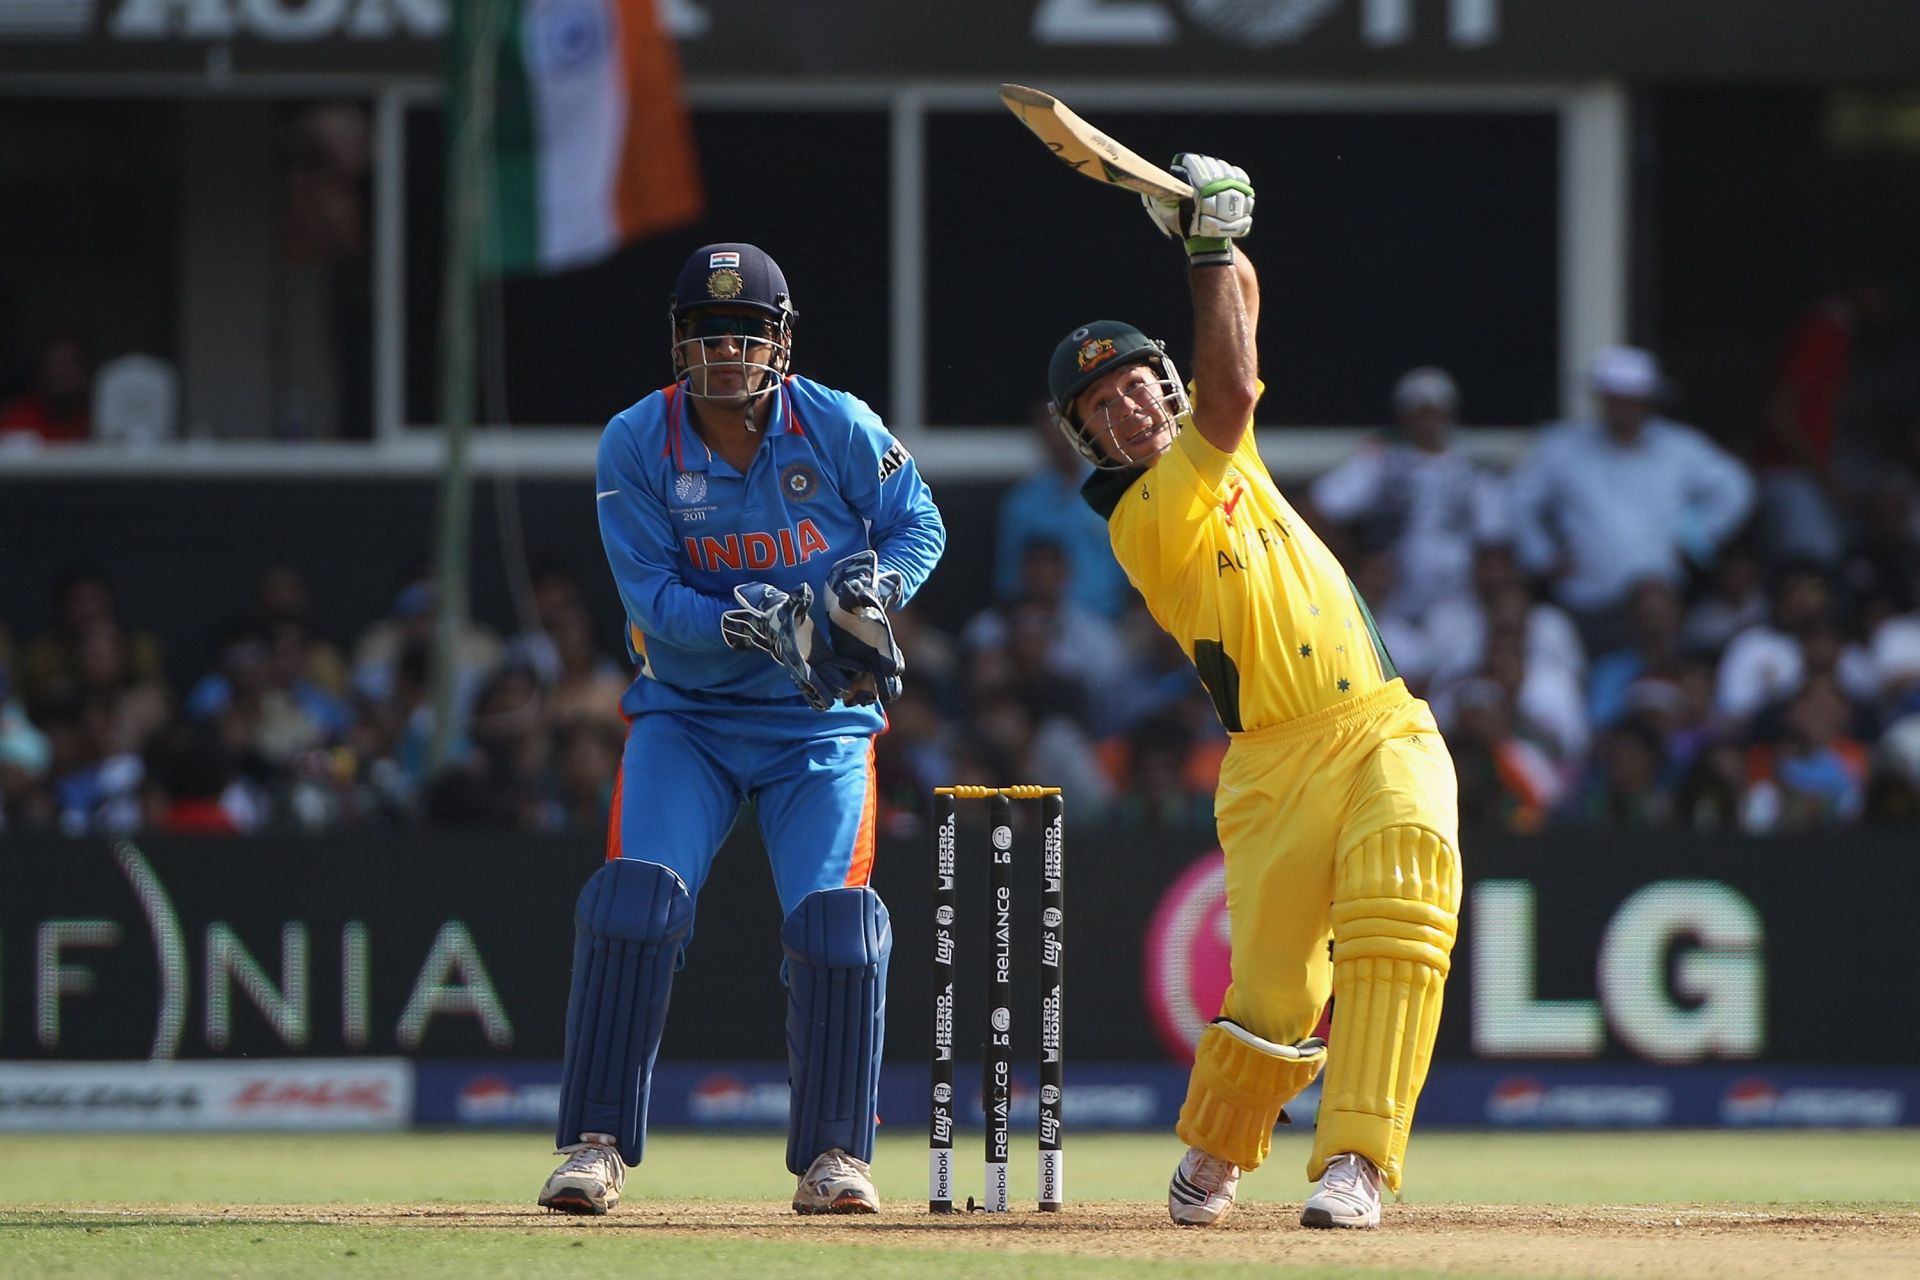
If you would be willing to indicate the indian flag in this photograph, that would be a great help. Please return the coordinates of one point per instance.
(592, 144)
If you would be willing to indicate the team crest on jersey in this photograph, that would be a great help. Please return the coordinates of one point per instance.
(725, 284)
(690, 486)
(1094, 351)
(800, 481)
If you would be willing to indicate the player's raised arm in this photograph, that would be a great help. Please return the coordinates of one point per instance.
(1226, 293)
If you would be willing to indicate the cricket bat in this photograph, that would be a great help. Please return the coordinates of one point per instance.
(1085, 149)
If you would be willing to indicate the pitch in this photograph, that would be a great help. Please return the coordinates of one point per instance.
(1517, 1205)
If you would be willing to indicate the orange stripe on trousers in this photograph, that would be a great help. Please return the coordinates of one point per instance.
(862, 869)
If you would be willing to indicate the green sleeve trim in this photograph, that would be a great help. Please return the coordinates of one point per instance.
(1104, 489)
(1387, 670)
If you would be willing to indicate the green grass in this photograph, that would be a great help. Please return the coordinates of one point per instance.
(97, 1185)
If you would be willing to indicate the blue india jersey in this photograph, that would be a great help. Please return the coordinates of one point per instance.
(682, 528)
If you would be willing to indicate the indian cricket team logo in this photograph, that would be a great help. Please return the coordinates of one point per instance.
(799, 482)
(1094, 351)
(690, 486)
(725, 284)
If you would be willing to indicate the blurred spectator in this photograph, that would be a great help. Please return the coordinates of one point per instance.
(1505, 781)
(556, 594)
(262, 693)
(96, 780)
(1374, 574)
(1545, 705)
(1456, 630)
(25, 755)
(1601, 505)
(56, 409)
(1043, 633)
(1410, 494)
(194, 787)
(1882, 562)
(1158, 791)
(1816, 775)
(497, 783)
(281, 595)
(587, 761)
(1036, 742)
(1047, 507)
(49, 665)
(1801, 484)
(1734, 600)
(1625, 786)
(933, 656)
(588, 683)
(910, 759)
(1768, 663)
(1652, 649)
(477, 652)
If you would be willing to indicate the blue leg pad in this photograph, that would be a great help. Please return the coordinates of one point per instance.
(627, 932)
(837, 942)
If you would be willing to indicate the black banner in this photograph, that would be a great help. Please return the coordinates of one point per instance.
(1166, 40)
(1585, 946)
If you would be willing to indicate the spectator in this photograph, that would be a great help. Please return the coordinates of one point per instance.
(587, 751)
(1046, 507)
(1624, 786)
(49, 665)
(1076, 647)
(25, 755)
(587, 683)
(1601, 505)
(1505, 781)
(97, 782)
(193, 786)
(56, 409)
(281, 595)
(556, 595)
(1456, 630)
(1159, 791)
(1410, 494)
(1815, 776)
(497, 783)
(477, 652)
(1735, 600)
(1653, 649)
(1768, 663)
(911, 758)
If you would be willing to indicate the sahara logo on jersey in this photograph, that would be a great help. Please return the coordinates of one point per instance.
(757, 550)
(892, 460)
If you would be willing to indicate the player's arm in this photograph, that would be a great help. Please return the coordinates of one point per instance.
(1226, 293)
(880, 481)
(639, 542)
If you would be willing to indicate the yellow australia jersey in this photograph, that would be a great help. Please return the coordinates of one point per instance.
(1265, 611)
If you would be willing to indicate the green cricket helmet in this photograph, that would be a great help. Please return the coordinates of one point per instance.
(1091, 352)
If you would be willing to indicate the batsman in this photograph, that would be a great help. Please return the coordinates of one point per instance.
(760, 527)
(1336, 805)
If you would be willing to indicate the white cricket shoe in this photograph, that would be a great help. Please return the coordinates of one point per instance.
(589, 1181)
(836, 1183)
(1202, 1189)
(1349, 1195)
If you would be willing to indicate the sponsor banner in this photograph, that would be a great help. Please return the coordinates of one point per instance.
(288, 1094)
(1030, 39)
(753, 1095)
(1561, 1096)
(1678, 950)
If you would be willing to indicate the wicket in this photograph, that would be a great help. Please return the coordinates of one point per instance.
(997, 1064)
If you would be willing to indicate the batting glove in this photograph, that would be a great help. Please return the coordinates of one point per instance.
(859, 595)
(1220, 211)
(781, 625)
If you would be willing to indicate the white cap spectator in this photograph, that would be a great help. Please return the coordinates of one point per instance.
(1426, 387)
(1626, 371)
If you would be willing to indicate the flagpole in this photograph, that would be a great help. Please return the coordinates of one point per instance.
(469, 117)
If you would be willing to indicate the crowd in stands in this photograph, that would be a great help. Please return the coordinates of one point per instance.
(1631, 627)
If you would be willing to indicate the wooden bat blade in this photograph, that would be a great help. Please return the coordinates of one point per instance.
(1085, 149)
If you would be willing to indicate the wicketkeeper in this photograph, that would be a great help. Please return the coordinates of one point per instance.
(760, 528)
(1336, 805)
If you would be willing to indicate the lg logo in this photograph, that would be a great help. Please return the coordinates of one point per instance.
(1258, 23)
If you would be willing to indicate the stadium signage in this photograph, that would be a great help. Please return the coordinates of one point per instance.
(306, 1094)
(1681, 977)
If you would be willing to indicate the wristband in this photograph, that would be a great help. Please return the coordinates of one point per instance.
(1209, 251)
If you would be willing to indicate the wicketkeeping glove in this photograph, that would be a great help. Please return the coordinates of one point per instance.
(1220, 211)
(781, 624)
(859, 595)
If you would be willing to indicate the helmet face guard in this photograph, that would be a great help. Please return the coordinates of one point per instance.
(730, 357)
(1131, 429)
(732, 324)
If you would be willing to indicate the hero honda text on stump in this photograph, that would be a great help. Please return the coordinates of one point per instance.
(997, 1057)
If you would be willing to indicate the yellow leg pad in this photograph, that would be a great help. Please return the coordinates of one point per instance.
(1395, 913)
(1238, 1085)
